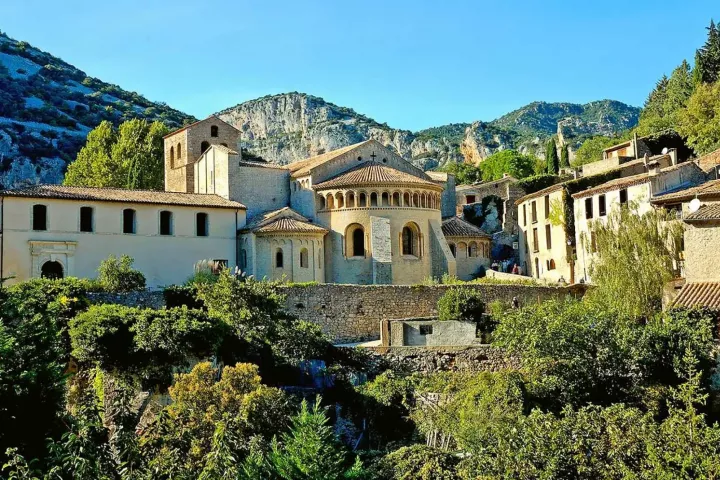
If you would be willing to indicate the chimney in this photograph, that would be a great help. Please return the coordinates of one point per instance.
(635, 145)
(646, 160)
(673, 156)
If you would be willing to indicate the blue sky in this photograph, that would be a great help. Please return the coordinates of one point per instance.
(412, 64)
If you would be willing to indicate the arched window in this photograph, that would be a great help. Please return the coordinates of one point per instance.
(461, 249)
(214, 131)
(340, 200)
(423, 201)
(304, 258)
(363, 199)
(201, 225)
(39, 217)
(551, 264)
(373, 199)
(350, 200)
(204, 146)
(330, 202)
(166, 223)
(416, 200)
(179, 151)
(172, 156)
(472, 250)
(385, 198)
(52, 270)
(355, 240)
(279, 258)
(411, 240)
(453, 249)
(129, 223)
(406, 199)
(321, 202)
(396, 199)
(320, 258)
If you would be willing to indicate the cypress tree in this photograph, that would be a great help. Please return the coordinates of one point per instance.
(564, 157)
(551, 157)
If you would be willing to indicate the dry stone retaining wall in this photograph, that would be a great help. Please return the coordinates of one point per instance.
(352, 313)
(476, 358)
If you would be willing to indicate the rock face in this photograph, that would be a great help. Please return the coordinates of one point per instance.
(292, 126)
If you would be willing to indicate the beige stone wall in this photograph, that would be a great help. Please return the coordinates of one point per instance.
(350, 313)
(266, 247)
(702, 252)
(176, 167)
(260, 189)
(163, 259)
(467, 266)
(536, 259)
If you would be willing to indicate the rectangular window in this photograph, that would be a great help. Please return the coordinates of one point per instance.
(129, 221)
(533, 208)
(588, 208)
(470, 199)
(243, 259)
(39, 217)
(601, 206)
(86, 219)
(547, 206)
(426, 329)
(166, 223)
(623, 196)
(524, 215)
(548, 236)
(536, 244)
(201, 224)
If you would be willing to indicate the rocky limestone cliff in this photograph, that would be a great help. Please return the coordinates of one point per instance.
(288, 127)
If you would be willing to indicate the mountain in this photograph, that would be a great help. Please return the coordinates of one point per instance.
(48, 106)
(291, 126)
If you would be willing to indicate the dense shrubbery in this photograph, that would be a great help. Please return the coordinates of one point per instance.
(117, 275)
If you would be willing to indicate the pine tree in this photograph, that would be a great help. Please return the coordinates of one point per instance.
(564, 157)
(551, 157)
(707, 59)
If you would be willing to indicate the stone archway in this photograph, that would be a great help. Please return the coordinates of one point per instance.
(52, 270)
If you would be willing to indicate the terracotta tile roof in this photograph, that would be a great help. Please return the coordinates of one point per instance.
(540, 193)
(213, 117)
(709, 189)
(285, 220)
(225, 149)
(303, 167)
(372, 173)
(704, 213)
(703, 294)
(630, 181)
(457, 227)
(509, 178)
(123, 195)
(251, 163)
(709, 161)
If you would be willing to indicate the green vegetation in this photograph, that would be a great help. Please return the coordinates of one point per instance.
(564, 156)
(129, 157)
(117, 275)
(552, 162)
(592, 148)
(461, 305)
(510, 162)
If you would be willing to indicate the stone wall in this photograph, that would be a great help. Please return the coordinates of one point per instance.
(143, 299)
(479, 358)
(352, 313)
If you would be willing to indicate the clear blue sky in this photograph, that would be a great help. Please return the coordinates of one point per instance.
(412, 64)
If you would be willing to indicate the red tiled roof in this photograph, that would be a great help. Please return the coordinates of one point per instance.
(303, 167)
(371, 173)
(710, 161)
(703, 294)
(705, 190)
(705, 213)
(457, 227)
(213, 117)
(123, 195)
(290, 225)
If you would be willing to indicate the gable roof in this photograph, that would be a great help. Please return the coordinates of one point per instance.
(438, 176)
(283, 221)
(471, 186)
(710, 161)
(705, 190)
(710, 212)
(224, 149)
(63, 192)
(211, 117)
(373, 173)
(303, 167)
(703, 294)
(457, 227)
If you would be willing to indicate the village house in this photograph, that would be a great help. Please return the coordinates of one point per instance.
(359, 215)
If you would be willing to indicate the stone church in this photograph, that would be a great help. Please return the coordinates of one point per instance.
(358, 215)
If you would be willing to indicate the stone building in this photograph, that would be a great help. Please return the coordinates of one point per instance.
(359, 215)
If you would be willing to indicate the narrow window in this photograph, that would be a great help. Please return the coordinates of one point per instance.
(453, 250)
(214, 131)
(524, 215)
(166, 223)
(129, 224)
(39, 217)
(536, 246)
(201, 224)
(426, 329)
(548, 236)
(179, 151)
(279, 258)
(408, 241)
(86, 219)
(472, 250)
(601, 206)
(172, 155)
(547, 206)
(533, 207)
(243, 259)
(304, 258)
(204, 146)
(623, 196)
(358, 239)
(588, 208)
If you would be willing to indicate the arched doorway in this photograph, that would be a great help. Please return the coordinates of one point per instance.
(52, 270)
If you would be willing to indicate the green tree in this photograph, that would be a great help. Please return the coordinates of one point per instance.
(707, 58)
(465, 173)
(667, 101)
(634, 258)
(129, 157)
(591, 150)
(699, 122)
(564, 156)
(509, 162)
(310, 451)
(551, 157)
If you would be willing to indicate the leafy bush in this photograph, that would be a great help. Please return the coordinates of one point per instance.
(461, 304)
(117, 275)
(182, 295)
(418, 462)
